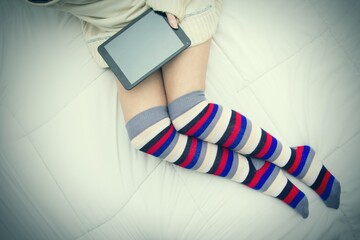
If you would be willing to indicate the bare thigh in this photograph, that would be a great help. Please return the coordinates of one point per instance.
(183, 74)
(150, 93)
(186, 72)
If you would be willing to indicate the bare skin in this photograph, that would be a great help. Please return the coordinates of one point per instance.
(184, 74)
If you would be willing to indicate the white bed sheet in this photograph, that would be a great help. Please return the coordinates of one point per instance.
(68, 171)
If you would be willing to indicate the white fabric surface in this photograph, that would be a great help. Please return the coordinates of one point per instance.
(68, 171)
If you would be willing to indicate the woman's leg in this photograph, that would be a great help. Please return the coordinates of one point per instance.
(257, 172)
(194, 116)
(148, 94)
(151, 131)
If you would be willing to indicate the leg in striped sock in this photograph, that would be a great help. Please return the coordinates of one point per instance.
(192, 115)
(152, 132)
(262, 174)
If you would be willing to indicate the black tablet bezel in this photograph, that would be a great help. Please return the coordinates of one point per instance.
(115, 68)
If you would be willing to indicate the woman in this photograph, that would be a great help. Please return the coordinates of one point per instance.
(176, 122)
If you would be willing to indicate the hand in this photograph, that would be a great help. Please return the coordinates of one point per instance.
(173, 21)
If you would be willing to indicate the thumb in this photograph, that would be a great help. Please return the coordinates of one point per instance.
(172, 20)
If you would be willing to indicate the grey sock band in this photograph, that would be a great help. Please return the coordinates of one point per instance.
(145, 119)
(184, 103)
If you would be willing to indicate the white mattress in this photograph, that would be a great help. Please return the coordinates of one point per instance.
(68, 171)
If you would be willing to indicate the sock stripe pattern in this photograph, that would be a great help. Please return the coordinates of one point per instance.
(158, 137)
(266, 146)
(323, 184)
(235, 136)
(232, 130)
(291, 195)
(158, 144)
(223, 163)
(257, 178)
(202, 121)
(239, 134)
(299, 161)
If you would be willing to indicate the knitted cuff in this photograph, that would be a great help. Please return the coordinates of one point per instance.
(201, 26)
(184, 103)
(176, 7)
(145, 119)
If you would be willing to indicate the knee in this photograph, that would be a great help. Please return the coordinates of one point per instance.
(151, 131)
(187, 110)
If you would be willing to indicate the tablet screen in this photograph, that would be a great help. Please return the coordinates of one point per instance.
(136, 53)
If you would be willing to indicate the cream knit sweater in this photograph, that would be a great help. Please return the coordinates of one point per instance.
(102, 19)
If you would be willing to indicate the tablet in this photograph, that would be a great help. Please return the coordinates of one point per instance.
(142, 47)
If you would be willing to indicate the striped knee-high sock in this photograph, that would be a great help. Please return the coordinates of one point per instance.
(152, 132)
(192, 115)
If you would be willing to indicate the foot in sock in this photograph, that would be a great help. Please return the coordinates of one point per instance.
(303, 165)
(152, 132)
(192, 115)
(264, 176)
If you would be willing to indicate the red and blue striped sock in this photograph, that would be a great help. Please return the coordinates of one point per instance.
(192, 115)
(153, 133)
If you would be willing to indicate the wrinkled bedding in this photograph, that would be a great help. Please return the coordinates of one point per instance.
(68, 171)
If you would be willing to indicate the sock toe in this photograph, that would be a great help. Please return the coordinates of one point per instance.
(303, 207)
(333, 200)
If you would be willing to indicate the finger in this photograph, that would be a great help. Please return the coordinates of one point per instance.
(172, 20)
